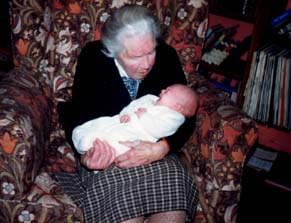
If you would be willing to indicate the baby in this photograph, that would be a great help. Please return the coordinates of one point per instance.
(148, 118)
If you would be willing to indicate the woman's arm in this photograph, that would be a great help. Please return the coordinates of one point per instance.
(142, 154)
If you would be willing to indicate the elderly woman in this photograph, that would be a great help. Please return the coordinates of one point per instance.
(148, 181)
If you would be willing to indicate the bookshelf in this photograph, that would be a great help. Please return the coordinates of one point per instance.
(274, 138)
(265, 12)
(251, 17)
(268, 90)
(254, 22)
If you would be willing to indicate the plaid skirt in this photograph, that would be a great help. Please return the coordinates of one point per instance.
(115, 194)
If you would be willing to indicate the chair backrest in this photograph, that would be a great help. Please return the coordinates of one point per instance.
(49, 35)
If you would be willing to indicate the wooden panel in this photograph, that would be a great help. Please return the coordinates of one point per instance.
(274, 138)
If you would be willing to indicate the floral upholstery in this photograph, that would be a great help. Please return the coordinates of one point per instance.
(217, 150)
(47, 39)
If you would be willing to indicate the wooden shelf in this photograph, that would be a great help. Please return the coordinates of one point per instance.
(276, 139)
(234, 72)
(232, 15)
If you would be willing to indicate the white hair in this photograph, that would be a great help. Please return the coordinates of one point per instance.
(128, 21)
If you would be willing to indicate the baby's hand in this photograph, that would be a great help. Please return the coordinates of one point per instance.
(124, 118)
(140, 112)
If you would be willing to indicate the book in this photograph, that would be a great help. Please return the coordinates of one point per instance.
(287, 94)
(217, 34)
(282, 97)
(250, 83)
(281, 25)
(256, 91)
(267, 96)
(248, 7)
(277, 99)
(239, 49)
(262, 159)
(227, 85)
(212, 36)
(219, 44)
(281, 18)
(288, 104)
(213, 29)
(268, 86)
(267, 82)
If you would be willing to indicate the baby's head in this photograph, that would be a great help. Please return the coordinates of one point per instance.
(180, 98)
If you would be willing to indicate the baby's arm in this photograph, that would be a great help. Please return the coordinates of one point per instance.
(140, 111)
(124, 118)
(127, 112)
(134, 108)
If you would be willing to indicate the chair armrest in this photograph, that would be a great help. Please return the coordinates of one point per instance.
(24, 127)
(218, 147)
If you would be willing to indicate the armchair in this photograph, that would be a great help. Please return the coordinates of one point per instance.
(47, 38)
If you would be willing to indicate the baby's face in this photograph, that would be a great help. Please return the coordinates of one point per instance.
(168, 97)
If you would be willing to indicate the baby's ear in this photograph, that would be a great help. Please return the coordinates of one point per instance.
(179, 107)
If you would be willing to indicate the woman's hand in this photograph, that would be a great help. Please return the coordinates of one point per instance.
(100, 156)
(142, 153)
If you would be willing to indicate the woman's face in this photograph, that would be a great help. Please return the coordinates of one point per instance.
(138, 57)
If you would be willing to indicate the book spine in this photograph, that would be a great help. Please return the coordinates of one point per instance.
(281, 18)
(248, 7)
(244, 7)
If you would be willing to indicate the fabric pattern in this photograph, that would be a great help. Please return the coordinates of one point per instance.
(47, 39)
(217, 149)
(28, 192)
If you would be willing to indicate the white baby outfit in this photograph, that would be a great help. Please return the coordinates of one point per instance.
(157, 122)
